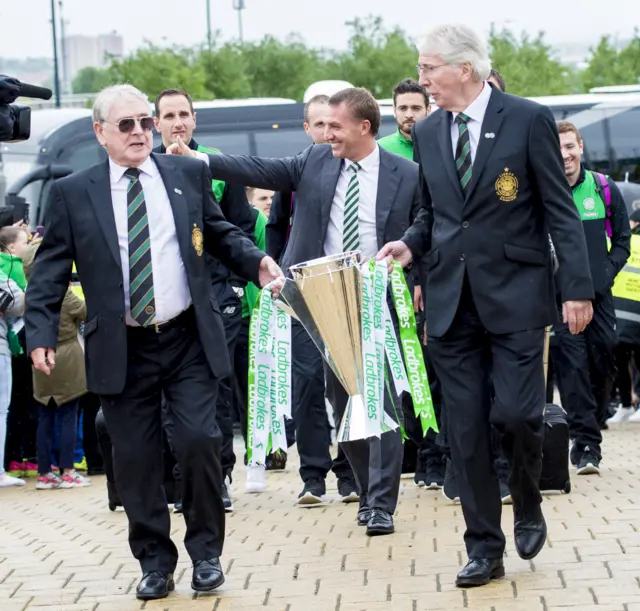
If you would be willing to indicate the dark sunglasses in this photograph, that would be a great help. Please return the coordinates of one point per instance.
(126, 125)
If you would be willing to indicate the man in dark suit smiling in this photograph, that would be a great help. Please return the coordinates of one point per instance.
(137, 227)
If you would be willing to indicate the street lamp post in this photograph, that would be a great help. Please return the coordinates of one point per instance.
(209, 36)
(239, 5)
(56, 76)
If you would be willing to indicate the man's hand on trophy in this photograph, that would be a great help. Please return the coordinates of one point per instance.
(180, 148)
(271, 272)
(397, 251)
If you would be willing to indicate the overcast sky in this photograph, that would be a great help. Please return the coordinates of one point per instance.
(26, 29)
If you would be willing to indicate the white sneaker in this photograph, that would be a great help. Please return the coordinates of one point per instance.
(9, 480)
(635, 417)
(621, 415)
(256, 478)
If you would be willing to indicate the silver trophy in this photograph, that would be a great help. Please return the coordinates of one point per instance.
(325, 295)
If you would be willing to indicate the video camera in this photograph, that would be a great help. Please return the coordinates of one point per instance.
(15, 120)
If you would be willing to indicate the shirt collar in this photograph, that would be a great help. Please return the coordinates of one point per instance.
(477, 109)
(117, 171)
(369, 163)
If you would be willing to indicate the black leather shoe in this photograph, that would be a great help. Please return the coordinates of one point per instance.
(154, 585)
(177, 506)
(380, 523)
(207, 575)
(479, 572)
(530, 533)
(364, 515)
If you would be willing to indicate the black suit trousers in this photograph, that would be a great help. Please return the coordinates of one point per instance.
(312, 431)
(463, 356)
(170, 362)
(376, 462)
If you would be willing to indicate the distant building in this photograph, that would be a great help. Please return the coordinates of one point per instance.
(91, 51)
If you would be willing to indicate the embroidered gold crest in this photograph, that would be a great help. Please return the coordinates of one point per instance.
(196, 240)
(507, 186)
(149, 310)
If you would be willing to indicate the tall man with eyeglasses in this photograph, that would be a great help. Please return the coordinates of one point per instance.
(137, 227)
(493, 189)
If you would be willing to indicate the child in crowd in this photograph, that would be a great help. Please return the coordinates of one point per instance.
(59, 393)
(13, 242)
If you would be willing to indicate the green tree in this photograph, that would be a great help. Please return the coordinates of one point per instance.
(376, 58)
(528, 65)
(225, 72)
(609, 65)
(152, 69)
(90, 80)
(281, 68)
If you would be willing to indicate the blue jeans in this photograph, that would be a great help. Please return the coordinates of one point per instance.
(67, 413)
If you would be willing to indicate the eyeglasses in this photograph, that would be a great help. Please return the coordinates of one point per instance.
(126, 125)
(427, 70)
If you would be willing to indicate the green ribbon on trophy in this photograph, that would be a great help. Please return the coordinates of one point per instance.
(269, 381)
(371, 339)
(412, 349)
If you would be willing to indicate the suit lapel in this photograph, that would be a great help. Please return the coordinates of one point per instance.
(100, 197)
(388, 182)
(490, 125)
(168, 173)
(329, 182)
(444, 139)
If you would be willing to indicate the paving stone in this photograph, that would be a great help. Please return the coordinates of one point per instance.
(67, 551)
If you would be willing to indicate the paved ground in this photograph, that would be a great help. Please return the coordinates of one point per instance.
(65, 551)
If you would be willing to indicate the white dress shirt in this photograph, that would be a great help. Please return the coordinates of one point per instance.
(170, 286)
(368, 181)
(475, 111)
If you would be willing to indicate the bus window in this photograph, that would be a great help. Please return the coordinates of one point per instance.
(81, 155)
(624, 131)
(596, 156)
(228, 142)
(282, 142)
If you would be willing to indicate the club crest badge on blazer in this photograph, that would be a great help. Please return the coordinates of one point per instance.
(507, 186)
(196, 240)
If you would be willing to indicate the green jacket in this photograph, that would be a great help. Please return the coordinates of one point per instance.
(398, 144)
(251, 291)
(13, 268)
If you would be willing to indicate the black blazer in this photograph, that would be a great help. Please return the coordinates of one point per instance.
(80, 226)
(313, 175)
(498, 234)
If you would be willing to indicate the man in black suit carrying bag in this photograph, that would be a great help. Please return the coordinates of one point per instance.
(137, 227)
(382, 201)
(493, 188)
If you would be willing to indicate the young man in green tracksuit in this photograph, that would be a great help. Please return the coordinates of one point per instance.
(175, 118)
(584, 364)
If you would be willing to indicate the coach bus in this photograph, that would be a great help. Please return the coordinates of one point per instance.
(608, 120)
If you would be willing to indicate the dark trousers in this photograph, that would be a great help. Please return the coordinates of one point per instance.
(571, 368)
(231, 308)
(601, 345)
(467, 360)
(170, 362)
(313, 434)
(67, 414)
(376, 462)
(89, 406)
(23, 417)
(625, 355)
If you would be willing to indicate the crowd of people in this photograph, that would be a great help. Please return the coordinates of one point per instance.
(486, 203)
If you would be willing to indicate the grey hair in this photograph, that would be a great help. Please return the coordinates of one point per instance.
(105, 99)
(458, 44)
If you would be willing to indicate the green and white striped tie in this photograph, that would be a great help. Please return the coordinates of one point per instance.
(350, 227)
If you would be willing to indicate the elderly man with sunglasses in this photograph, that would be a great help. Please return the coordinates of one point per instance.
(137, 227)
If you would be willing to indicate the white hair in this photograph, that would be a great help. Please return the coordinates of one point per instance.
(458, 44)
(105, 99)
